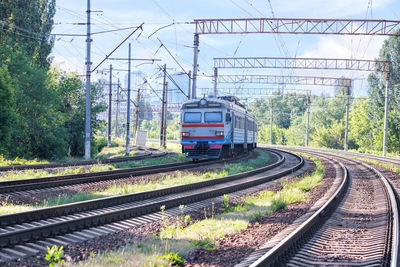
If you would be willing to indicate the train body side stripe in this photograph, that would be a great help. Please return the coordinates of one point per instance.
(203, 137)
(202, 125)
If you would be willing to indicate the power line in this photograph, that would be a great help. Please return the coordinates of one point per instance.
(172, 56)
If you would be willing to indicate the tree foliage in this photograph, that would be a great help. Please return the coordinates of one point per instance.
(42, 110)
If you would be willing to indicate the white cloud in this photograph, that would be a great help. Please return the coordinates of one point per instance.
(327, 9)
(364, 47)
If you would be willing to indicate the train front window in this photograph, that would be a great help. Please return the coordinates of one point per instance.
(212, 116)
(192, 117)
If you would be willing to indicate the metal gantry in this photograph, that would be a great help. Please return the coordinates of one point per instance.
(281, 79)
(297, 26)
(301, 63)
(254, 91)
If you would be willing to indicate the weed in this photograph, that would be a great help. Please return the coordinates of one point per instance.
(257, 215)
(55, 256)
(225, 204)
(205, 244)
(173, 258)
(187, 219)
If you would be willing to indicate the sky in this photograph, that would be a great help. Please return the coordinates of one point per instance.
(69, 52)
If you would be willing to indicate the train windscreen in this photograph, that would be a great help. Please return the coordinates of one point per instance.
(192, 117)
(212, 116)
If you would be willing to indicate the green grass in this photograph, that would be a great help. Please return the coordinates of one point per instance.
(148, 253)
(31, 174)
(204, 234)
(172, 147)
(19, 161)
(375, 152)
(115, 152)
(380, 164)
(154, 161)
(7, 208)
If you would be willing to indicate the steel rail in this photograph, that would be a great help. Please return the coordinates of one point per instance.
(78, 220)
(55, 181)
(81, 163)
(391, 160)
(394, 201)
(272, 256)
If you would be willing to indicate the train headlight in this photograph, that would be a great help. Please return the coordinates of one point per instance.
(185, 134)
(219, 133)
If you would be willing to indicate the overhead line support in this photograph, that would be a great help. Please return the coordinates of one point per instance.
(88, 85)
(109, 109)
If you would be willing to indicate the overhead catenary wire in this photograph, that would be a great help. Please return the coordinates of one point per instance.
(177, 62)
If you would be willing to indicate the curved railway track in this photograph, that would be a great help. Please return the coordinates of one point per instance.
(20, 233)
(389, 160)
(358, 226)
(148, 153)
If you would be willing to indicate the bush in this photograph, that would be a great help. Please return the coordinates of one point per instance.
(98, 145)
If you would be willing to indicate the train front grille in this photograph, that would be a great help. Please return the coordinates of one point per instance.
(202, 149)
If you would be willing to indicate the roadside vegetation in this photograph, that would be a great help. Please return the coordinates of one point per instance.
(172, 147)
(115, 151)
(19, 161)
(177, 239)
(380, 164)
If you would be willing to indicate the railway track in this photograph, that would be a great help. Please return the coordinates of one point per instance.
(147, 153)
(26, 233)
(8, 187)
(393, 161)
(357, 226)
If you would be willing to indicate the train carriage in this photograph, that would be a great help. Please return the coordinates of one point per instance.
(216, 127)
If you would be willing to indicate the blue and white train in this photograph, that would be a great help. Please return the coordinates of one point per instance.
(216, 127)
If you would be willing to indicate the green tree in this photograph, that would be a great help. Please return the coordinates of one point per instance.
(361, 130)
(7, 109)
(390, 51)
(34, 19)
(71, 94)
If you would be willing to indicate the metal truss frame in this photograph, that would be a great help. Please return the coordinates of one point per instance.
(256, 91)
(302, 63)
(277, 79)
(297, 26)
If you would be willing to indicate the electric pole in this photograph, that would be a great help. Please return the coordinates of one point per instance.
(163, 109)
(109, 108)
(195, 58)
(190, 85)
(215, 81)
(137, 114)
(88, 65)
(308, 118)
(128, 112)
(346, 132)
(271, 121)
(117, 112)
(165, 116)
